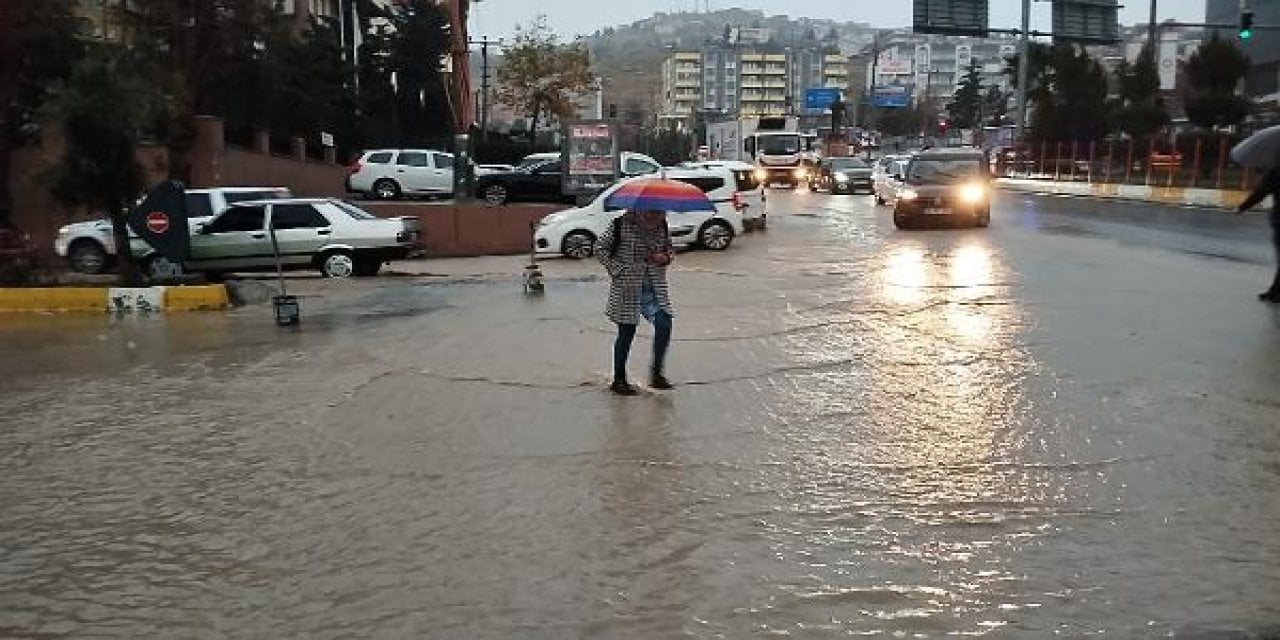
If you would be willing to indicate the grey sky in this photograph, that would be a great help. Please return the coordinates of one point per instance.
(570, 17)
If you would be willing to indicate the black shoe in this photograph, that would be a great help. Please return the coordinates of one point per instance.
(657, 381)
(621, 388)
(1270, 296)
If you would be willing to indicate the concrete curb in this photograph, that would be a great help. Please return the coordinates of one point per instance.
(1211, 198)
(102, 299)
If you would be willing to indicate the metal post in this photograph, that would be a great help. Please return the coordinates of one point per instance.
(1152, 31)
(1106, 169)
(1222, 160)
(1195, 167)
(1128, 163)
(1024, 48)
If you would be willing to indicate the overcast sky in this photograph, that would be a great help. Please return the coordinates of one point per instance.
(570, 17)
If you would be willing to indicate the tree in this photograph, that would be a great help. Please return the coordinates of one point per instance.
(539, 74)
(1067, 89)
(995, 107)
(1139, 110)
(1212, 75)
(38, 47)
(966, 103)
(402, 90)
(103, 112)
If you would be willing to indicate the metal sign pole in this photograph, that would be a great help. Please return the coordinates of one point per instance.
(1024, 65)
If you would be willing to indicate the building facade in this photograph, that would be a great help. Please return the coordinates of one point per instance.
(930, 67)
(732, 80)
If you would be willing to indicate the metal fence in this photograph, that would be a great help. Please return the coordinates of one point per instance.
(1187, 162)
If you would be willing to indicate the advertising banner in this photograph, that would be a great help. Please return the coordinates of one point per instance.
(590, 156)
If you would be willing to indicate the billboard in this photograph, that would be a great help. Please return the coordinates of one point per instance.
(1087, 21)
(821, 98)
(590, 156)
(951, 17)
(1168, 65)
(891, 96)
(891, 63)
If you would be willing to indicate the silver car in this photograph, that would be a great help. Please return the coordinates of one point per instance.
(332, 236)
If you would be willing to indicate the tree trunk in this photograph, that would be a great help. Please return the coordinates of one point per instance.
(533, 126)
(129, 276)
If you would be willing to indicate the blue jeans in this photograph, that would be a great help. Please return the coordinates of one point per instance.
(661, 321)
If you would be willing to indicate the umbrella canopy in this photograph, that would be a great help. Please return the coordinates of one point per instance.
(1260, 150)
(659, 194)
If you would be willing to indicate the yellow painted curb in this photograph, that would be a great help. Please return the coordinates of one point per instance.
(54, 299)
(202, 298)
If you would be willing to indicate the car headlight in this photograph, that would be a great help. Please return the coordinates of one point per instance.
(973, 193)
(550, 220)
(842, 176)
(761, 174)
(908, 194)
(802, 173)
(64, 231)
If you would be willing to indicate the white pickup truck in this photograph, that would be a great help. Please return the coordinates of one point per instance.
(90, 248)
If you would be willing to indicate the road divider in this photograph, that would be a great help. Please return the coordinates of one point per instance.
(1211, 198)
(115, 299)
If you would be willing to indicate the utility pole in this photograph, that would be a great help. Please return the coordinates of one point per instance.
(484, 82)
(1024, 66)
(1153, 32)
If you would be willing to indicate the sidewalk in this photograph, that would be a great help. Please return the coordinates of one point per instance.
(1212, 198)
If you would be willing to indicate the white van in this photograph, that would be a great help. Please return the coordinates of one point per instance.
(573, 233)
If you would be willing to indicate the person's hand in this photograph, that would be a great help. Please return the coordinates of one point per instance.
(660, 258)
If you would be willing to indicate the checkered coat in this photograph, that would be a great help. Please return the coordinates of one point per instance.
(628, 269)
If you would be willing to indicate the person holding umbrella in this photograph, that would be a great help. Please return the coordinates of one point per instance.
(636, 251)
(1262, 150)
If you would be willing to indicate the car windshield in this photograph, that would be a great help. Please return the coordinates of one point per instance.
(943, 171)
(845, 164)
(779, 145)
(354, 211)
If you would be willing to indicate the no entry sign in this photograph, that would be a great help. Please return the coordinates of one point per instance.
(158, 222)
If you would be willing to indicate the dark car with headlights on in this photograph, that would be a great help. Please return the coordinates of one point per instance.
(945, 184)
(842, 175)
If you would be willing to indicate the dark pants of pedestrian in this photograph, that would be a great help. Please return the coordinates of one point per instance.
(1274, 291)
(661, 321)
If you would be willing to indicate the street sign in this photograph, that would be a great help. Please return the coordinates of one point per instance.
(951, 17)
(161, 220)
(891, 96)
(821, 98)
(326, 139)
(1086, 21)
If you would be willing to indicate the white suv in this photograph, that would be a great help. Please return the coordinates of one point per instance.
(90, 246)
(387, 174)
(573, 233)
(750, 189)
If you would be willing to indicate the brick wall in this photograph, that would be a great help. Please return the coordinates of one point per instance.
(454, 230)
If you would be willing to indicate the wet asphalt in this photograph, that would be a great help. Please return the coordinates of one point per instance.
(1066, 425)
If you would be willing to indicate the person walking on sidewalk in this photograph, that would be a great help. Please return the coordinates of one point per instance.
(636, 250)
(1270, 186)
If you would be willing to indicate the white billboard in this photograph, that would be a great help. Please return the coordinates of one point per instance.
(1168, 65)
(893, 63)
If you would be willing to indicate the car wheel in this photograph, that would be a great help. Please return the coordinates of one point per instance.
(578, 245)
(87, 256)
(161, 269)
(902, 220)
(338, 264)
(715, 235)
(494, 194)
(368, 267)
(386, 189)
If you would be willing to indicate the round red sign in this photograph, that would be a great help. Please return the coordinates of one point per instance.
(158, 222)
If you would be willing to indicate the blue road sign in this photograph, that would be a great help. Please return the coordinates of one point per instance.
(891, 96)
(821, 98)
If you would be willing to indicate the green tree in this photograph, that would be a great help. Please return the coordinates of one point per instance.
(402, 97)
(103, 112)
(1067, 91)
(38, 46)
(1212, 75)
(1139, 110)
(539, 74)
(995, 107)
(966, 103)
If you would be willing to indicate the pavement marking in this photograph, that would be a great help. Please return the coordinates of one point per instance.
(100, 299)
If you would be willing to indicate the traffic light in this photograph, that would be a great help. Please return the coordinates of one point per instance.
(1246, 25)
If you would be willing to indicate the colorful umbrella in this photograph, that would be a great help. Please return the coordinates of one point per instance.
(659, 194)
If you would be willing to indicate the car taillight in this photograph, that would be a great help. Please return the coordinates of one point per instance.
(355, 167)
(738, 203)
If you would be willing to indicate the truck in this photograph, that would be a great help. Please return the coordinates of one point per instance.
(774, 144)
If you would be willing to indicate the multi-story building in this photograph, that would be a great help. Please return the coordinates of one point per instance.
(932, 67)
(736, 80)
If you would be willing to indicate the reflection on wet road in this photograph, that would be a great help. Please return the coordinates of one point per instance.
(1007, 432)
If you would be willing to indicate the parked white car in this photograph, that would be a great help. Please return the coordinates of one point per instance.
(336, 238)
(750, 189)
(388, 174)
(573, 233)
(90, 247)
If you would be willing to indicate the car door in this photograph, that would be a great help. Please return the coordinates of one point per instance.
(443, 174)
(416, 172)
(546, 182)
(301, 231)
(236, 238)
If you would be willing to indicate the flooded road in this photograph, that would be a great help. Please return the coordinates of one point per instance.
(1041, 429)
